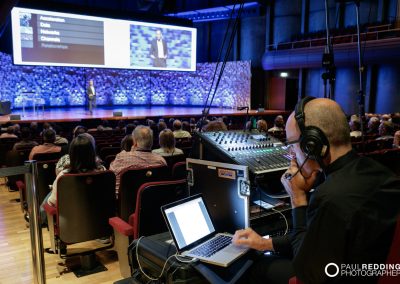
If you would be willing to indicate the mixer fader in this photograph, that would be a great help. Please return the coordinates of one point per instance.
(261, 152)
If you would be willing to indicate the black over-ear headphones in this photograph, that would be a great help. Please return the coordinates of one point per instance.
(313, 141)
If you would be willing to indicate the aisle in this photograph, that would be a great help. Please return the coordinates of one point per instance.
(15, 251)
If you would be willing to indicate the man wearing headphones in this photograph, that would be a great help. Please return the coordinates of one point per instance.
(349, 218)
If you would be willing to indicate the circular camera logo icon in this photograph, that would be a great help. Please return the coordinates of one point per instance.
(336, 269)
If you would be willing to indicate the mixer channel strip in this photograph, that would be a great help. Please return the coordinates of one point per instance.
(262, 153)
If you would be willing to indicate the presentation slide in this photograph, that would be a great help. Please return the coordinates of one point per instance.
(61, 39)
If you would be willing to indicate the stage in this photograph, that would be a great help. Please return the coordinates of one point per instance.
(73, 114)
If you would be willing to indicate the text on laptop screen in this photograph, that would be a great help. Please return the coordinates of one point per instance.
(189, 222)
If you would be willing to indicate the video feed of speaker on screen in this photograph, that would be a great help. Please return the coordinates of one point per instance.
(63, 39)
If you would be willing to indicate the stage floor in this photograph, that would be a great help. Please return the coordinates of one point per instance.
(128, 112)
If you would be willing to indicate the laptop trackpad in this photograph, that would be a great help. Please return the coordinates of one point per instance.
(228, 254)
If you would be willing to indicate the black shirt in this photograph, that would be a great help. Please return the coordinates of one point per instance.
(350, 219)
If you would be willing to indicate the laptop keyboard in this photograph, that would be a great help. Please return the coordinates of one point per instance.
(212, 246)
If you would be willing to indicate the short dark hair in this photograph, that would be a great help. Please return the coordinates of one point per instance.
(215, 126)
(25, 133)
(129, 128)
(10, 130)
(82, 154)
(186, 126)
(127, 143)
(49, 135)
(161, 126)
(79, 129)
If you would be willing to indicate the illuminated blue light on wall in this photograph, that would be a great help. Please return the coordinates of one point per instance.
(66, 86)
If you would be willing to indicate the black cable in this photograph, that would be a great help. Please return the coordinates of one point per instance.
(220, 51)
(289, 176)
(234, 29)
(204, 112)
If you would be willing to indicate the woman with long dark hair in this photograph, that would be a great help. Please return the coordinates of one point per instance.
(82, 157)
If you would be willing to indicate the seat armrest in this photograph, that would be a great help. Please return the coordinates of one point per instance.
(51, 210)
(121, 226)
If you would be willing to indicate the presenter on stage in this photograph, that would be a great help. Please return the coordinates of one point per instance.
(91, 93)
(159, 50)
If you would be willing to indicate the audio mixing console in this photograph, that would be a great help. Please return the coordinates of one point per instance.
(262, 153)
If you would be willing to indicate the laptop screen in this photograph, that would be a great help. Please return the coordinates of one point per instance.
(189, 221)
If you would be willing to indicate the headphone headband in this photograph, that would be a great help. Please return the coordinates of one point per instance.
(299, 112)
(313, 141)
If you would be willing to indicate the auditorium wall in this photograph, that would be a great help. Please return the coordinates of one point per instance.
(66, 86)
(380, 86)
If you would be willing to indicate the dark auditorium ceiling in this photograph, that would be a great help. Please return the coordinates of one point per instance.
(142, 9)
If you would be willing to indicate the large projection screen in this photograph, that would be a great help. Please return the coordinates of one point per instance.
(61, 39)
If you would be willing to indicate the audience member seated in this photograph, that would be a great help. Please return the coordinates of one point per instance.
(215, 125)
(104, 126)
(9, 134)
(26, 140)
(127, 142)
(167, 144)
(120, 126)
(385, 130)
(249, 126)
(140, 155)
(178, 131)
(34, 129)
(45, 126)
(186, 126)
(59, 139)
(262, 125)
(373, 126)
(161, 126)
(17, 129)
(63, 162)
(48, 146)
(355, 127)
(192, 124)
(82, 157)
(170, 123)
(385, 117)
(354, 117)
(153, 126)
(396, 120)
(279, 124)
(396, 140)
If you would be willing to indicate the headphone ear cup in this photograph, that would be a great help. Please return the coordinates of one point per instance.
(314, 143)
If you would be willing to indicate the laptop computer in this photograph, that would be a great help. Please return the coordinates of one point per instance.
(193, 232)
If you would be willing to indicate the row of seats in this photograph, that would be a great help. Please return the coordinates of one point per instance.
(372, 145)
(86, 209)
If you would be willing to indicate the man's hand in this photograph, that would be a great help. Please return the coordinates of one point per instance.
(251, 239)
(297, 185)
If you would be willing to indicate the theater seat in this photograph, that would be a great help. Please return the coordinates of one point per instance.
(147, 219)
(131, 180)
(179, 170)
(85, 202)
